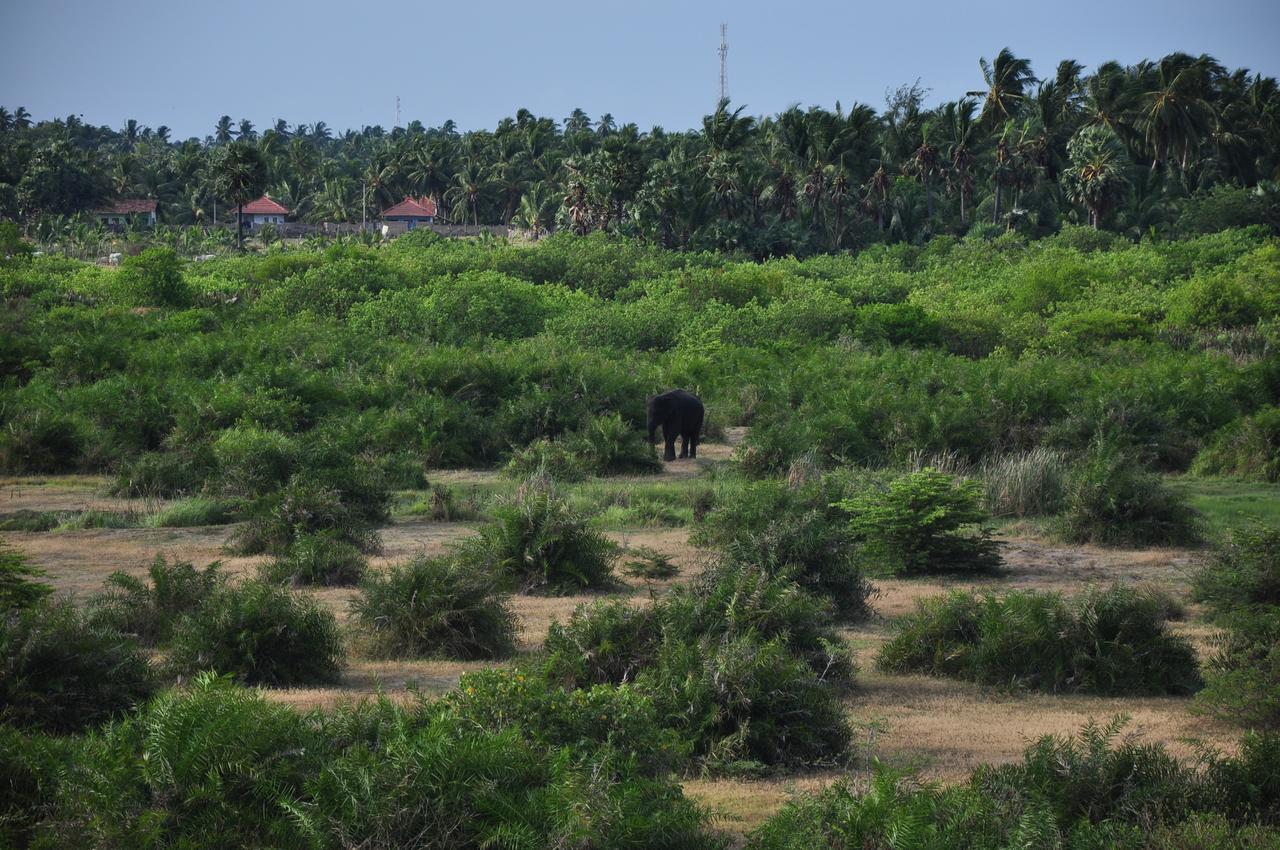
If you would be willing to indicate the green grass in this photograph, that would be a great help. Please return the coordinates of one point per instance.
(1229, 504)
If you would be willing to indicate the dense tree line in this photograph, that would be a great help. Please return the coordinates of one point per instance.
(1123, 148)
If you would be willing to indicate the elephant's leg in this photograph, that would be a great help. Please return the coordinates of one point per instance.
(670, 439)
(684, 445)
(693, 446)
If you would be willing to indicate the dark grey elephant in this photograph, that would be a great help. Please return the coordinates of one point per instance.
(680, 414)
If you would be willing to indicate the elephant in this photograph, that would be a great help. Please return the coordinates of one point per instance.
(679, 413)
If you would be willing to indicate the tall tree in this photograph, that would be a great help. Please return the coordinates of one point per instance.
(239, 175)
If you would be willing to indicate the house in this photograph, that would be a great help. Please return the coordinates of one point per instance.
(260, 212)
(121, 213)
(411, 212)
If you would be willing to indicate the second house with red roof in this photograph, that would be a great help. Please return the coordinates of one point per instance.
(260, 212)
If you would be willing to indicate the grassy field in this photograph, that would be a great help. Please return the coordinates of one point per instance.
(942, 728)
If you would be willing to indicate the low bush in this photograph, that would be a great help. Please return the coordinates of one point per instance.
(538, 542)
(611, 446)
(649, 564)
(60, 672)
(1085, 791)
(1113, 641)
(1242, 676)
(1031, 483)
(747, 705)
(153, 278)
(606, 642)
(262, 634)
(1243, 575)
(435, 607)
(31, 767)
(29, 520)
(924, 522)
(791, 528)
(1112, 501)
(149, 612)
(160, 475)
(555, 459)
(19, 584)
(1248, 448)
(194, 512)
(309, 505)
(252, 460)
(318, 559)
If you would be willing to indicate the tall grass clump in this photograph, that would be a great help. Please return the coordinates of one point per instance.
(61, 672)
(538, 542)
(149, 612)
(1030, 483)
(193, 512)
(262, 634)
(1112, 500)
(320, 558)
(20, 586)
(435, 607)
(924, 522)
(791, 527)
(1113, 641)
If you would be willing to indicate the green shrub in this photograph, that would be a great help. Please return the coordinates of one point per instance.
(159, 475)
(1243, 674)
(149, 613)
(649, 564)
(1031, 483)
(252, 461)
(1248, 448)
(435, 607)
(153, 278)
(537, 541)
(613, 447)
(262, 634)
(792, 529)
(1111, 500)
(31, 767)
(605, 642)
(1243, 575)
(1105, 642)
(555, 459)
(747, 704)
(60, 672)
(924, 522)
(29, 520)
(41, 441)
(318, 559)
(308, 505)
(194, 512)
(18, 585)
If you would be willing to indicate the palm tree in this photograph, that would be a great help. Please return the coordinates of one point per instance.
(222, 130)
(534, 213)
(239, 173)
(246, 131)
(1007, 80)
(1095, 176)
(6, 119)
(469, 184)
(1176, 113)
(960, 134)
(21, 118)
(925, 162)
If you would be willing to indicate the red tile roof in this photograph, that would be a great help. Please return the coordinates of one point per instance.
(128, 207)
(263, 206)
(412, 208)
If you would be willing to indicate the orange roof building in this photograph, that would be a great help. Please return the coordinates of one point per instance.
(412, 211)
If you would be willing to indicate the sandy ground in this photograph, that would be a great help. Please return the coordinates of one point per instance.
(941, 727)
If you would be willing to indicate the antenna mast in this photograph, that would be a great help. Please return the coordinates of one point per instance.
(724, 51)
(397, 110)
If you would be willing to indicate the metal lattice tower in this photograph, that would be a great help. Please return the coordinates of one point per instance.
(724, 52)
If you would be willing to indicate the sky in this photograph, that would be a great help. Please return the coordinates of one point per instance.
(183, 63)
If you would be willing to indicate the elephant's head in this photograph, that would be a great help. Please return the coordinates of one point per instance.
(656, 408)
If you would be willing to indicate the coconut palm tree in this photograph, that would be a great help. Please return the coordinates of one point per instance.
(959, 133)
(1175, 110)
(239, 174)
(1007, 80)
(1095, 175)
(222, 130)
(469, 186)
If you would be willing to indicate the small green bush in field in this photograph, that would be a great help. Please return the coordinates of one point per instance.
(318, 559)
(307, 505)
(252, 461)
(613, 447)
(1248, 448)
(1243, 575)
(150, 612)
(606, 642)
(1243, 675)
(190, 513)
(18, 585)
(555, 459)
(747, 704)
(1111, 500)
(435, 607)
(262, 634)
(538, 542)
(153, 278)
(60, 672)
(1113, 641)
(924, 522)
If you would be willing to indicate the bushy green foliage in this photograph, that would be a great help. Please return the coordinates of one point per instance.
(252, 461)
(61, 672)
(606, 642)
(536, 541)
(924, 522)
(1243, 575)
(318, 559)
(556, 459)
(1090, 790)
(260, 633)
(1248, 448)
(649, 564)
(605, 445)
(1112, 500)
(435, 607)
(153, 278)
(792, 528)
(196, 511)
(149, 613)
(19, 581)
(1113, 641)
(309, 505)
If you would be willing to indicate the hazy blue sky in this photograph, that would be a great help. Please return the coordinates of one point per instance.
(184, 63)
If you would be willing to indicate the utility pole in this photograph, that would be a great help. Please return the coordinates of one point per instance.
(724, 51)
